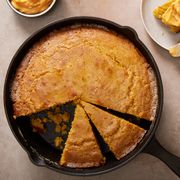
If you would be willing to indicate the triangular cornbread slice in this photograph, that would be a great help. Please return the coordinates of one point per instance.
(172, 15)
(160, 10)
(120, 135)
(81, 148)
(168, 13)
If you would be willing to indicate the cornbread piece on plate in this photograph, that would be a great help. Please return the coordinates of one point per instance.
(81, 148)
(88, 63)
(121, 136)
(175, 50)
(160, 10)
(169, 13)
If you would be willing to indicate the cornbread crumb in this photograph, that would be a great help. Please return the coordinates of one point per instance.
(58, 128)
(65, 116)
(38, 125)
(58, 141)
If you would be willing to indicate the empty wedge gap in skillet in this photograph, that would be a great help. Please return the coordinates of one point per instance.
(35, 140)
(48, 135)
(143, 123)
(120, 135)
(103, 146)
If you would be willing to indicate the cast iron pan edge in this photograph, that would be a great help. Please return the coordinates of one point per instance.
(149, 144)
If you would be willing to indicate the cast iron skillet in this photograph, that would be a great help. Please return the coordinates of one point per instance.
(42, 154)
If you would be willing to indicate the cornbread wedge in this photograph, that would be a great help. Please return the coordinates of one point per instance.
(169, 14)
(81, 148)
(160, 10)
(171, 17)
(121, 136)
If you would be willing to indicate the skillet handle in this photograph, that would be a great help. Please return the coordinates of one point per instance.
(154, 148)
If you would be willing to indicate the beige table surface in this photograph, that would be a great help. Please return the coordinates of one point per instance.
(14, 29)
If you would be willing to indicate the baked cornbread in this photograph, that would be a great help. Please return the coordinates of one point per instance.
(175, 50)
(160, 10)
(120, 135)
(81, 148)
(169, 13)
(88, 63)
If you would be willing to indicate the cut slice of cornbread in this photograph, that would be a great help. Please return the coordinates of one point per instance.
(160, 10)
(121, 136)
(81, 148)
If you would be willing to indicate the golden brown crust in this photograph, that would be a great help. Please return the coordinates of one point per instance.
(81, 149)
(87, 63)
(121, 136)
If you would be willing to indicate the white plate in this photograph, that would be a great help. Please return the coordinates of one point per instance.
(155, 28)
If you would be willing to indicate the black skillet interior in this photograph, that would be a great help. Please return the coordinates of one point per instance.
(40, 152)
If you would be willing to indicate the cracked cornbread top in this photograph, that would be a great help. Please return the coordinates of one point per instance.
(87, 63)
